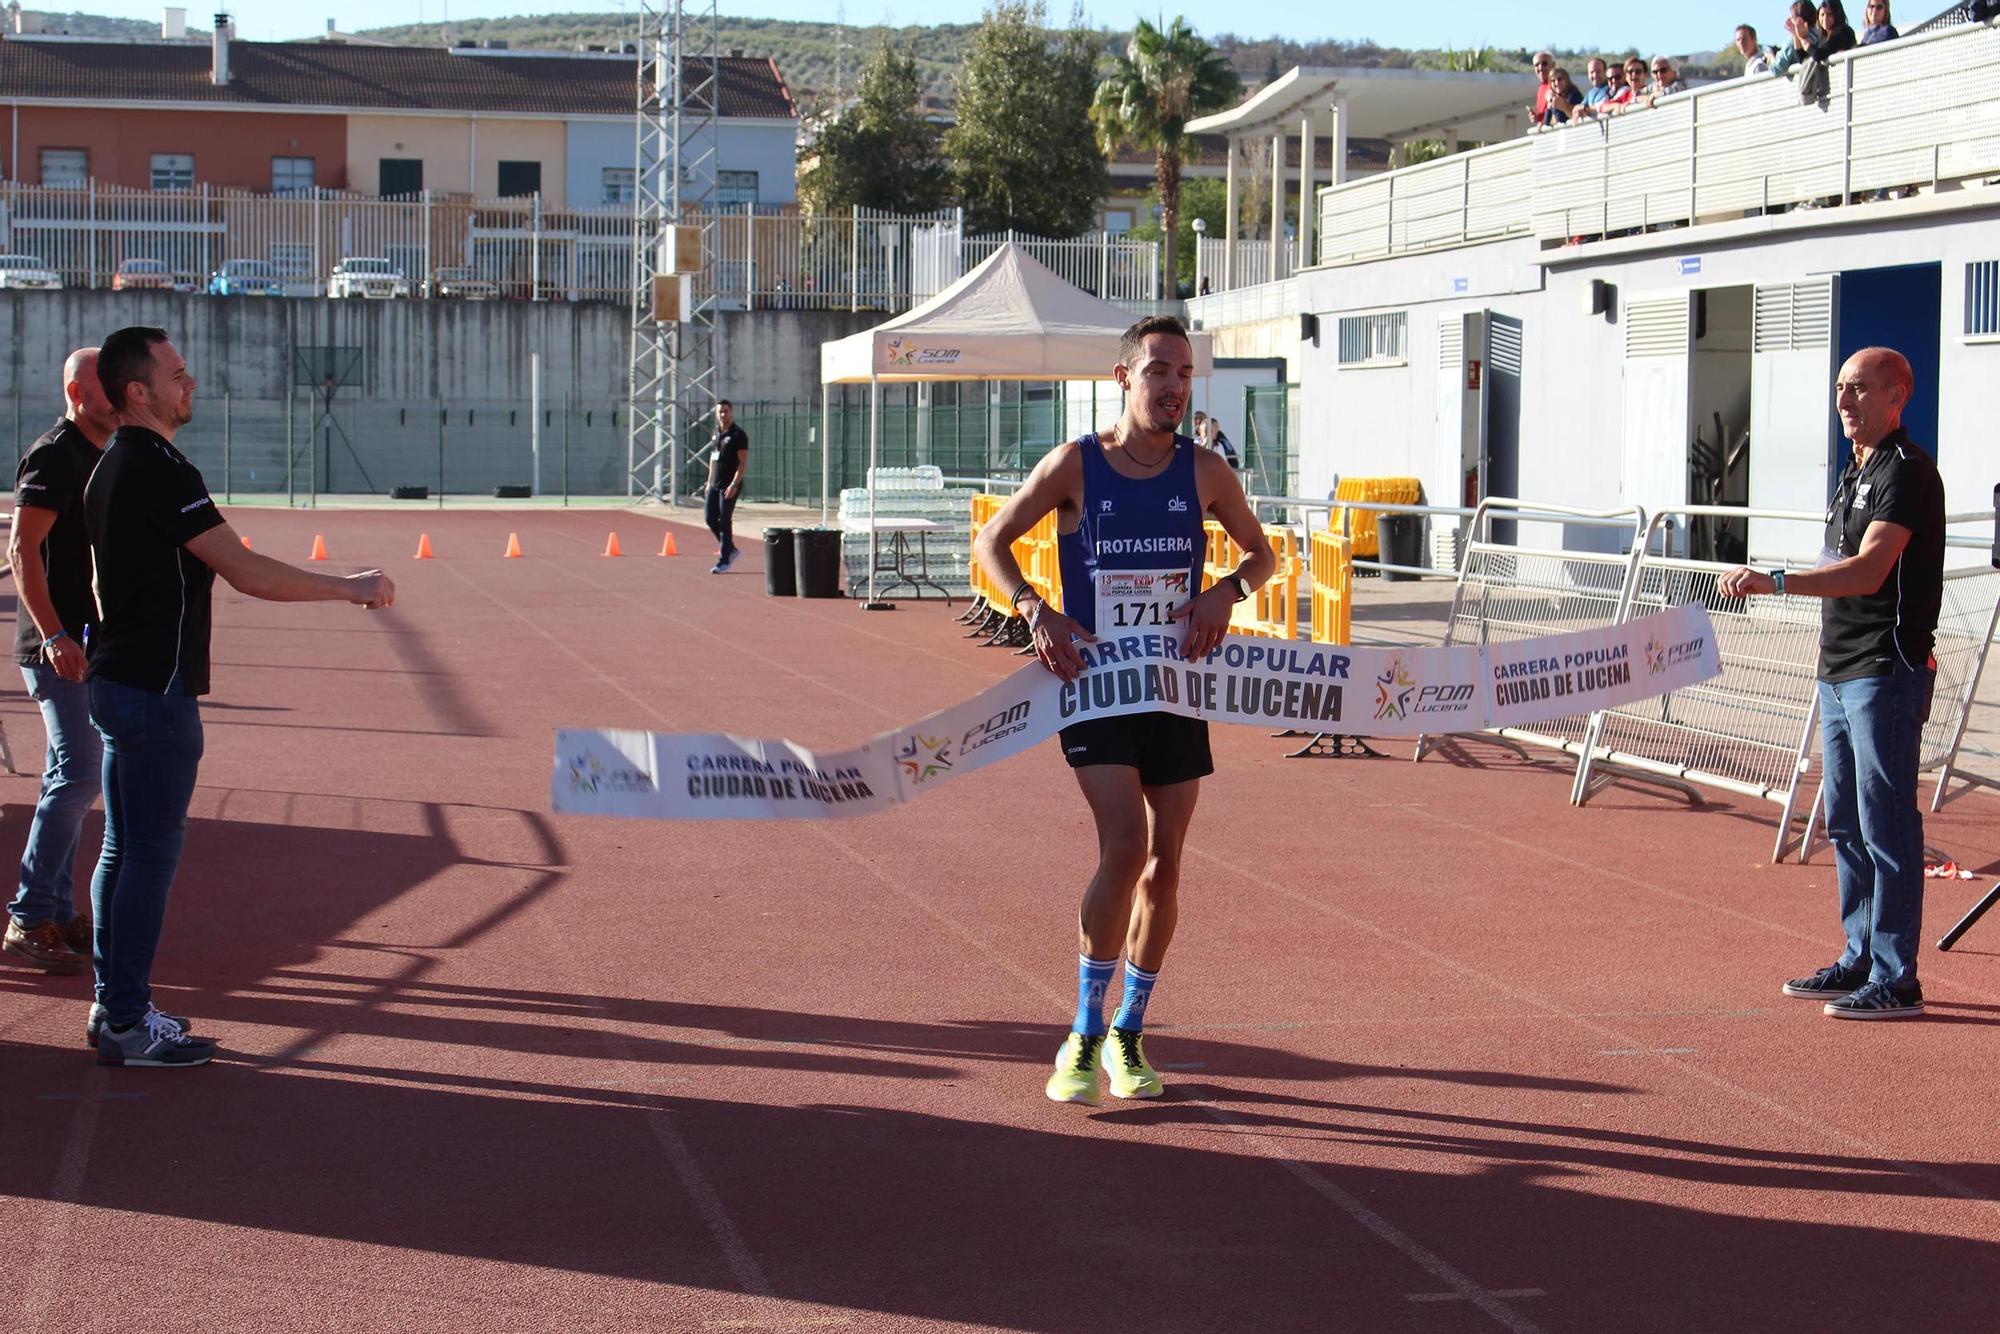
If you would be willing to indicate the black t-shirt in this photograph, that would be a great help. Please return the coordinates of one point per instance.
(1867, 634)
(51, 477)
(729, 448)
(145, 502)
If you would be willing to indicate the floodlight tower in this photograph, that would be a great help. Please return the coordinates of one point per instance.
(671, 385)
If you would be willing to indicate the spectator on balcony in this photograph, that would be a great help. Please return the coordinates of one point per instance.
(1666, 81)
(1631, 85)
(1819, 36)
(1563, 99)
(1756, 60)
(1615, 85)
(1799, 20)
(1599, 91)
(1545, 68)
(1876, 26)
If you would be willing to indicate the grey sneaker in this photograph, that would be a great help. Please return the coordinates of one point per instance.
(154, 1041)
(95, 1024)
(1829, 982)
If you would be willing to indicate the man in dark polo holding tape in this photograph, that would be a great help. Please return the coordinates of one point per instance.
(157, 543)
(1882, 578)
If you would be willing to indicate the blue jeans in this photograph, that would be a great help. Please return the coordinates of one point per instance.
(70, 778)
(152, 750)
(720, 511)
(1871, 734)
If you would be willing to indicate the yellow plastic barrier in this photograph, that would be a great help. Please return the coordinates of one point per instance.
(1382, 491)
(1036, 554)
(1273, 610)
(1332, 588)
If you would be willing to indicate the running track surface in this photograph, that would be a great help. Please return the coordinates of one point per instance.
(1446, 1054)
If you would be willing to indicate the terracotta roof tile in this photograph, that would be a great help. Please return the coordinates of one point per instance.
(381, 77)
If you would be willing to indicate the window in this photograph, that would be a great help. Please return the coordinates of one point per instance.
(173, 171)
(292, 176)
(68, 168)
(735, 188)
(1373, 340)
(1118, 221)
(520, 178)
(400, 176)
(1982, 299)
(618, 185)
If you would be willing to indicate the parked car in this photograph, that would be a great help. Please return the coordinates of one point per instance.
(246, 277)
(142, 275)
(461, 284)
(26, 272)
(376, 278)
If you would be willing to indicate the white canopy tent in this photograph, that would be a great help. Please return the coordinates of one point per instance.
(1011, 318)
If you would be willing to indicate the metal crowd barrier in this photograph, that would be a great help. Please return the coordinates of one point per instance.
(1509, 592)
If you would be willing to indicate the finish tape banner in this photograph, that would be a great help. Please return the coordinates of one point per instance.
(1267, 683)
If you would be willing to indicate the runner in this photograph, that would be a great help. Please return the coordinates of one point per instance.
(1130, 504)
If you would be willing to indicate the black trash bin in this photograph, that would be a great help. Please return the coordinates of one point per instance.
(780, 566)
(817, 556)
(1402, 542)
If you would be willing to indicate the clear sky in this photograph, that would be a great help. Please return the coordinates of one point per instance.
(1678, 28)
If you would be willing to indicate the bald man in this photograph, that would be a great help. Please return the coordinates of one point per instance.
(1882, 577)
(50, 552)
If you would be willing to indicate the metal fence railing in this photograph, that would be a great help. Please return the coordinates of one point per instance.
(758, 257)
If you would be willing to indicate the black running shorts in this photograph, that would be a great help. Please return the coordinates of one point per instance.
(1164, 747)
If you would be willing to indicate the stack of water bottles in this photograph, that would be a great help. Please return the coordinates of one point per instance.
(910, 493)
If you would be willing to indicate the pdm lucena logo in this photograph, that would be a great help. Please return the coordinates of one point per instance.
(589, 775)
(1393, 690)
(907, 352)
(1659, 656)
(924, 757)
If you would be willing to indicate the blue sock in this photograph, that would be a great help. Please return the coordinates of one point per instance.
(1093, 979)
(1131, 1014)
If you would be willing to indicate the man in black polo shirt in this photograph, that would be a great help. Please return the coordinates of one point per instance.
(1882, 575)
(158, 543)
(50, 554)
(727, 461)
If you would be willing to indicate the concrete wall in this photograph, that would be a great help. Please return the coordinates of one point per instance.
(1386, 420)
(411, 349)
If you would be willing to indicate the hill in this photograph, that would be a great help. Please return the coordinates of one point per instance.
(806, 52)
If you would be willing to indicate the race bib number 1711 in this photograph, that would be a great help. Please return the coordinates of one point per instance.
(1138, 599)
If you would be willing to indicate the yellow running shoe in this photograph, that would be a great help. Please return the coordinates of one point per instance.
(1075, 1079)
(1125, 1059)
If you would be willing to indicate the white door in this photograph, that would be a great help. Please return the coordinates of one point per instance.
(1659, 344)
(1793, 345)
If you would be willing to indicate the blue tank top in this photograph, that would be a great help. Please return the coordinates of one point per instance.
(1146, 532)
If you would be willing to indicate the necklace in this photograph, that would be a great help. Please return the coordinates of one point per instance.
(1150, 464)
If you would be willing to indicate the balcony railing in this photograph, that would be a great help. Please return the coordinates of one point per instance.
(1921, 112)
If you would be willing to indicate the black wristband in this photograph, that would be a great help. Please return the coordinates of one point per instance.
(1014, 600)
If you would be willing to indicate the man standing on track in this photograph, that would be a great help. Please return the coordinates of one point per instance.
(50, 554)
(728, 461)
(157, 543)
(1882, 576)
(1129, 505)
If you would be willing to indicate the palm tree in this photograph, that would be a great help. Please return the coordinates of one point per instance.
(1164, 79)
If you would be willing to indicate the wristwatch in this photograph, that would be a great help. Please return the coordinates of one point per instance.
(1243, 589)
(1778, 578)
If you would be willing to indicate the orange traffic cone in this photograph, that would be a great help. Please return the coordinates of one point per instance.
(246, 543)
(611, 546)
(667, 547)
(513, 551)
(319, 548)
(423, 546)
